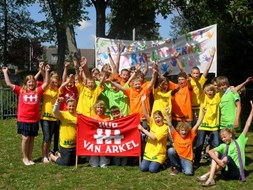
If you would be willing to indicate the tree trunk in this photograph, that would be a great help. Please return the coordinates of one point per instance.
(100, 6)
(5, 52)
(72, 47)
(62, 49)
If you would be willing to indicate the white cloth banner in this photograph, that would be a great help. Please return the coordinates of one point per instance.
(194, 48)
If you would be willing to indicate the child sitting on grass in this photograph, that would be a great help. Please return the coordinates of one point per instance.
(229, 157)
(181, 155)
(67, 154)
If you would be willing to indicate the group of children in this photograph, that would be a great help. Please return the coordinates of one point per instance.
(184, 112)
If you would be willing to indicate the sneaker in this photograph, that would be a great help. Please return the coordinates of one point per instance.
(174, 171)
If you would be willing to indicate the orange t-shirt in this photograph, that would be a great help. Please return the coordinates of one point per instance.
(101, 117)
(181, 104)
(135, 100)
(117, 76)
(184, 146)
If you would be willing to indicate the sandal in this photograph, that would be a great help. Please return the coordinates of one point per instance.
(57, 153)
(202, 178)
(208, 183)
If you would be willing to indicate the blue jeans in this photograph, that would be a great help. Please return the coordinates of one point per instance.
(48, 129)
(119, 161)
(180, 163)
(150, 166)
(200, 140)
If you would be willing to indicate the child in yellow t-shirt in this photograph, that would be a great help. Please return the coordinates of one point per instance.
(181, 155)
(48, 120)
(155, 149)
(210, 124)
(68, 119)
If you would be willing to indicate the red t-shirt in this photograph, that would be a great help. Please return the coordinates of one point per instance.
(28, 104)
(66, 94)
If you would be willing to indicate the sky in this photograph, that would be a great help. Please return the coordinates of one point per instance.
(85, 34)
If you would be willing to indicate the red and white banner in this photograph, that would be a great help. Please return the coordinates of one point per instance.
(119, 137)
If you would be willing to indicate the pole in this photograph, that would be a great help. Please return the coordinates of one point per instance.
(133, 34)
(30, 55)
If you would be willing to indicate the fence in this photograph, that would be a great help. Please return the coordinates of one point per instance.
(8, 102)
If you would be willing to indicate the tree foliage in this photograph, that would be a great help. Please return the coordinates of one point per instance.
(234, 19)
(62, 17)
(15, 23)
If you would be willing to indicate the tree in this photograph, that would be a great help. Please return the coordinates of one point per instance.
(127, 15)
(235, 37)
(15, 23)
(62, 17)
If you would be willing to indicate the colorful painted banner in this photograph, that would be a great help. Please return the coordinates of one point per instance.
(194, 48)
(119, 137)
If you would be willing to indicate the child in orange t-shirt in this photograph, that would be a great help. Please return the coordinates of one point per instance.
(135, 92)
(181, 155)
(181, 101)
(100, 108)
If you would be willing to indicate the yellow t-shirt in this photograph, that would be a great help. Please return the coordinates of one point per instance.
(87, 99)
(49, 98)
(212, 117)
(67, 129)
(155, 150)
(161, 101)
(196, 92)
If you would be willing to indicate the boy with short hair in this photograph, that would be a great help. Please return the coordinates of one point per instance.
(230, 104)
(181, 101)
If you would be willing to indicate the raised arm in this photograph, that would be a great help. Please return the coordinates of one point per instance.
(205, 73)
(167, 111)
(248, 80)
(70, 78)
(145, 71)
(114, 70)
(7, 78)
(118, 86)
(41, 71)
(84, 65)
(46, 79)
(118, 58)
(65, 71)
(56, 106)
(200, 119)
(144, 109)
(179, 64)
(154, 77)
(249, 120)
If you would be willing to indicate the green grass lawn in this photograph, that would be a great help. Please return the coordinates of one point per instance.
(14, 175)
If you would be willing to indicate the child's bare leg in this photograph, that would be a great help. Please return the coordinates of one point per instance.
(25, 149)
(31, 145)
(214, 169)
(45, 151)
